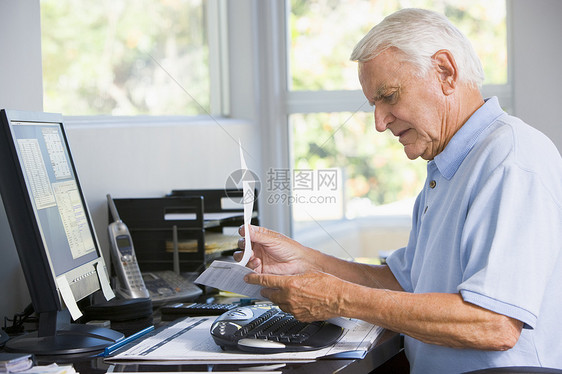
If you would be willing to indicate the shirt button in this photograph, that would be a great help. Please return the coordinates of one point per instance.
(432, 184)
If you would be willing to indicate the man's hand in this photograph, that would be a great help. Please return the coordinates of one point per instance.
(313, 296)
(275, 253)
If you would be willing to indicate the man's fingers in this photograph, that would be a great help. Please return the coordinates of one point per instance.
(253, 279)
(267, 281)
(238, 255)
(259, 234)
(269, 293)
(254, 264)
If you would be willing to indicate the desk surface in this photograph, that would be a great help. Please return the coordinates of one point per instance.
(387, 345)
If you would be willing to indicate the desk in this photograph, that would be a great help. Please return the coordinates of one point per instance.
(387, 346)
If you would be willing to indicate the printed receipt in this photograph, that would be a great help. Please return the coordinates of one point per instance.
(229, 276)
(248, 198)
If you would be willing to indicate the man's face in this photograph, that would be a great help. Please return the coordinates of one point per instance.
(412, 108)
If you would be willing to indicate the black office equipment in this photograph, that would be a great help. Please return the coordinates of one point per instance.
(126, 316)
(53, 232)
(119, 310)
(166, 286)
(3, 338)
(161, 287)
(267, 329)
(198, 218)
(170, 312)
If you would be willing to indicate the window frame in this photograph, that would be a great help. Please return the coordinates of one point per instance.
(219, 87)
(303, 101)
(272, 25)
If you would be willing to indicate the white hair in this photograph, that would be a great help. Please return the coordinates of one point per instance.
(418, 34)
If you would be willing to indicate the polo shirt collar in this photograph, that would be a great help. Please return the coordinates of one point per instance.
(451, 158)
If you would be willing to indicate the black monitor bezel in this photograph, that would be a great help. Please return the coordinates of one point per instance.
(38, 272)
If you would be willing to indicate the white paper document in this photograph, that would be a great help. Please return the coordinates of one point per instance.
(229, 276)
(248, 202)
(68, 297)
(189, 340)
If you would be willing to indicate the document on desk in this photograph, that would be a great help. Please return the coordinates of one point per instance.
(189, 340)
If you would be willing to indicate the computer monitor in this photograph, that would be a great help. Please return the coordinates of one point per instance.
(53, 233)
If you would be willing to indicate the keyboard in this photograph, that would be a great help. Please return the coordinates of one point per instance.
(267, 329)
(176, 310)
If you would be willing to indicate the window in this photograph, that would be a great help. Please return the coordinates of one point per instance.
(377, 176)
(132, 57)
(323, 33)
(376, 171)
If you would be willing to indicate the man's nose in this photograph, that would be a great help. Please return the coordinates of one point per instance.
(383, 117)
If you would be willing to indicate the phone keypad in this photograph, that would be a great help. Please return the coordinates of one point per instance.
(132, 272)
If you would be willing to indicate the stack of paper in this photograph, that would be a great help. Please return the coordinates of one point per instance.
(15, 362)
(188, 340)
(50, 369)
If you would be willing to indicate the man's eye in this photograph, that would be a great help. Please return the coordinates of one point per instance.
(390, 98)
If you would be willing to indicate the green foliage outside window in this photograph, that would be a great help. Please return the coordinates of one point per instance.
(125, 57)
(374, 164)
(324, 32)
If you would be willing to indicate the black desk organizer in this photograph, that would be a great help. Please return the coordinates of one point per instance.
(153, 234)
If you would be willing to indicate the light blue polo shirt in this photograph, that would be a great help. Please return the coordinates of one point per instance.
(488, 224)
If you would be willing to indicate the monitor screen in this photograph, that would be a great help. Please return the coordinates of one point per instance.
(49, 219)
(56, 200)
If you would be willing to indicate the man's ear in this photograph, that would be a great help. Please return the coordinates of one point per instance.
(446, 68)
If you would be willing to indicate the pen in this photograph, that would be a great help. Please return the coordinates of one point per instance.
(112, 348)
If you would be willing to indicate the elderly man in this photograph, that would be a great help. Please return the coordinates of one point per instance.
(480, 282)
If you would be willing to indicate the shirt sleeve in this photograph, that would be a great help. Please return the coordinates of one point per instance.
(510, 242)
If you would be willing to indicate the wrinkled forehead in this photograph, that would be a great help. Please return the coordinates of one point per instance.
(388, 66)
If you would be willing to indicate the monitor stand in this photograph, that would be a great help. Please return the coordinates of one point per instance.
(57, 336)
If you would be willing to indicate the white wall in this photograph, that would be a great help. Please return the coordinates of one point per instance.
(20, 65)
(149, 160)
(537, 65)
